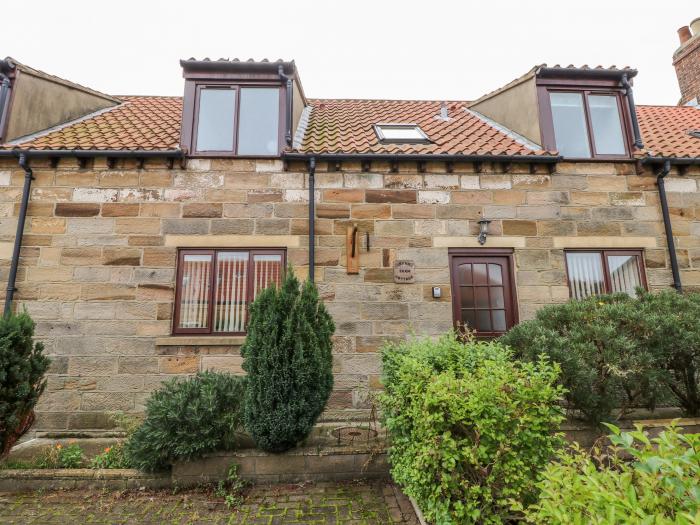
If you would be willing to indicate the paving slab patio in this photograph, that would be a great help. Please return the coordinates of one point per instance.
(352, 503)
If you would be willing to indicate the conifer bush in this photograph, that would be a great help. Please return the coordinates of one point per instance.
(187, 418)
(22, 368)
(287, 355)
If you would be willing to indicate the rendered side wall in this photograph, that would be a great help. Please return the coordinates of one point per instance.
(98, 263)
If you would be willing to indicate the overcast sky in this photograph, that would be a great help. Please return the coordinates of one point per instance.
(405, 49)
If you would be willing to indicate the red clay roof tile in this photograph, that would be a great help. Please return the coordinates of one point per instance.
(346, 126)
(666, 130)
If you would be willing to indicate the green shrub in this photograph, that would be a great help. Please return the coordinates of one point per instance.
(186, 419)
(672, 334)
(470, 426)
(600, 343)
(22, 368)
(287, 355)
(61, 456)
(658, 486)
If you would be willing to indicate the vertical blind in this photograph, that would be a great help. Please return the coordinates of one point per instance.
(194, 294)
(234, 287)
(587, 276)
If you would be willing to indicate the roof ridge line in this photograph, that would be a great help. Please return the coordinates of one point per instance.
(42, 133)
(517, 137)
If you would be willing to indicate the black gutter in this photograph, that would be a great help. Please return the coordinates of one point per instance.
(678, 161)
(633, 111)
(312, 217)
(12, 278)
(288, 105)
(543, 159)
(83, 153)
(667, 225)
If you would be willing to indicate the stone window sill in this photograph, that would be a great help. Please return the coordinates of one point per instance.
(200, 340)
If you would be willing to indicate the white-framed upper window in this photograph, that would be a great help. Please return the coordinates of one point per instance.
(401, 133)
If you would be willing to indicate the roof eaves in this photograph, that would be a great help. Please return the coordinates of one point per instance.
(517, 137)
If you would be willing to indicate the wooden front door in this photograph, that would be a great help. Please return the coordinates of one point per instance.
(483, 298)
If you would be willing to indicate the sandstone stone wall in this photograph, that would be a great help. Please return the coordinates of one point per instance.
(97, 268)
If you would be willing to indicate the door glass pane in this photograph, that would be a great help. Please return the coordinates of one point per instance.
(194, 291)
(499, 320)
(495, 276)
(607, 129)
(480, 274)
(497, 300)
(483, 321)
(465, 274)
(258, 127)
(468, 319)
(624, 273)
(482, 297)
(569, 119)
(215, 120)
(467, 295)
(268, 271)
(231, 291)
(585, 274)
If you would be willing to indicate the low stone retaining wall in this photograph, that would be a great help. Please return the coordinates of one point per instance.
(25, 480)
(298, 465)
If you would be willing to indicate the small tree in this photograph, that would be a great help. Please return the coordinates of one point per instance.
(287, 355)
(22, 368)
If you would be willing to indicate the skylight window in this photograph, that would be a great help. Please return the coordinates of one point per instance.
(401, 133)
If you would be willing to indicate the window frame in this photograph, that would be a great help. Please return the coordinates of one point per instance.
(190, 139)
(603, 253)
(509, 255)
(209, 331)
(386, 140)
(586, 89)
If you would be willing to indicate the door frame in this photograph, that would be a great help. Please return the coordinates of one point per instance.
(508, 253)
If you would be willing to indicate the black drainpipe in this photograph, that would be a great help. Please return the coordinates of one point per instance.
(28, 177)
(4, 91)
(312, 217)
(667, 224)
(288, 106)
(633, 112)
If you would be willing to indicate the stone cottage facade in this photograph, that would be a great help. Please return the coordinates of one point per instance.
(137, 267)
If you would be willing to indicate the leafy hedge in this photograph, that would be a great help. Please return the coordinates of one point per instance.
(617, 352)
(186, 419)
(470, 426)
(658, 486)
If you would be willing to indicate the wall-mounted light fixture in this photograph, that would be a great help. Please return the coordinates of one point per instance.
(483, 230)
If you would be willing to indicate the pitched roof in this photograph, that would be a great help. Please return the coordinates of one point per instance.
(346, 126)
(666, 130)
(138, 123)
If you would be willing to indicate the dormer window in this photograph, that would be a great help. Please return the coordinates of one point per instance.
(584, 113)
(238, 120)
(236, 108)
(401, 134)
(587, 124)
